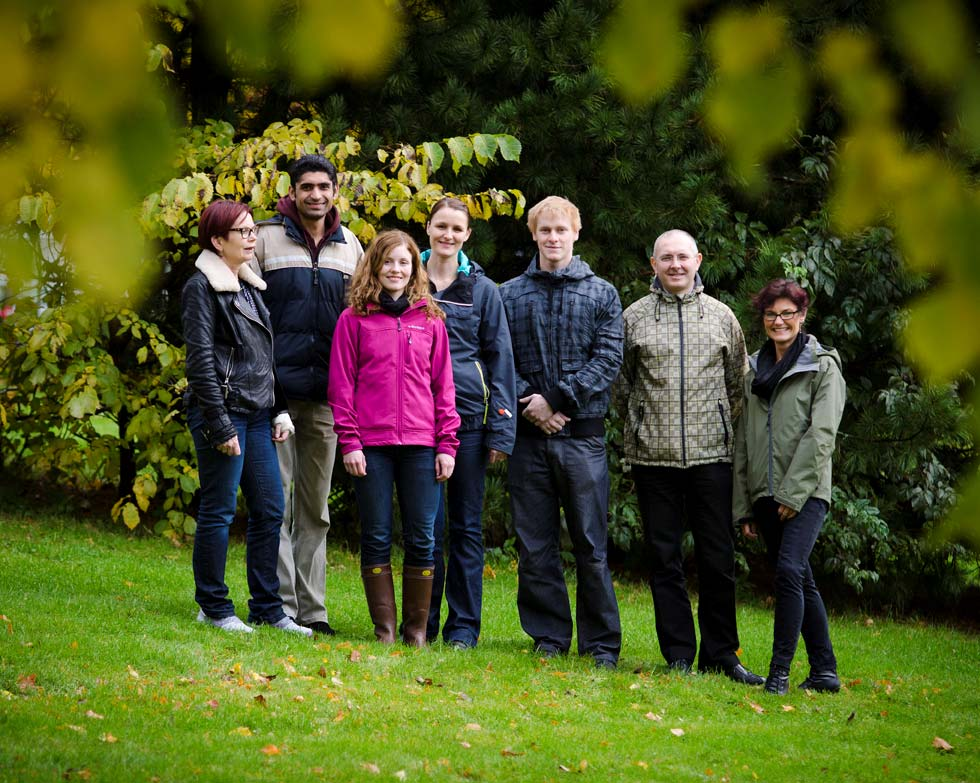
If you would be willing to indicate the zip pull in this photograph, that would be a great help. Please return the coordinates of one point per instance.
(316, 273)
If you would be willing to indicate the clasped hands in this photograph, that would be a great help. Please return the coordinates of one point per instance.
(541, 415)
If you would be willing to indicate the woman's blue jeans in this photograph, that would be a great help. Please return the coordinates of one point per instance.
(463, 577)
(411, 470)
(799, 607)
(256, 470)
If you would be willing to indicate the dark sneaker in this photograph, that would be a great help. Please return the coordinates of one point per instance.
(681, 665)
(320, 627)
(824, 682)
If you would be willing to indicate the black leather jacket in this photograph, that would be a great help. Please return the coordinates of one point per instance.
(229, 362)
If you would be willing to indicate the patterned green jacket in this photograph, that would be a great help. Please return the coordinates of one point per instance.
(680, 388)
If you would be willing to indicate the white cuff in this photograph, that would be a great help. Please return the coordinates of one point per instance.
(284, 423)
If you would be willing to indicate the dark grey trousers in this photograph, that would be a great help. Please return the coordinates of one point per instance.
(546, 476)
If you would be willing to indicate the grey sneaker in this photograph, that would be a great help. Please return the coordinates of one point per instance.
(231, 623)
(287, 624)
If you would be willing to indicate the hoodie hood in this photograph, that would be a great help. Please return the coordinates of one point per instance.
(287, 208)
(576, 270)
(463, 264)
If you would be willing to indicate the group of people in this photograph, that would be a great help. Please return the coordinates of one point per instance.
(421, 371)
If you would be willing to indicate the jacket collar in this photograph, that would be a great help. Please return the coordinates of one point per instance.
(576, 270)
(221, 278)
(658, 290)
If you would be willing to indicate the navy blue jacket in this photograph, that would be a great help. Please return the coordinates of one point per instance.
(305, 298)
(567, 332)
(483, 361)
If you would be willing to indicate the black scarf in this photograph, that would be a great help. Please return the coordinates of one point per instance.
(393, 306)
(769, 372)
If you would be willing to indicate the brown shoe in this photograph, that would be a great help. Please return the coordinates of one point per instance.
(380, 591)
(416, 597)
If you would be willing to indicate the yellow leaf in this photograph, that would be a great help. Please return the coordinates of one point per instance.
(643, 47)
(243, 731)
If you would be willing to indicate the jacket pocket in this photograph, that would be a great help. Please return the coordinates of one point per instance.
(724, 421)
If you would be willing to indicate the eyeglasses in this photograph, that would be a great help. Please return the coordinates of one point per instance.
(786, 315)
(247, 233)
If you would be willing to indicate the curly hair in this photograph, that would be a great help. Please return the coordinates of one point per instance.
(365, 287)
(779, 289)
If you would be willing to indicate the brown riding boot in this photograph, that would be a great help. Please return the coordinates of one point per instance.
(416, 596)
(380, 591)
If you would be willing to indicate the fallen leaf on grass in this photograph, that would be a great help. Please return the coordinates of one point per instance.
(372, 768)
(851, 717)
(642, 764)
(463, 696)
(271, 750)
(757, 707)
(8, 621)
(322, 671)
(339, 716)
(93, 715)
(653, 716)
(510, 753)
(299, 698)
(27, 682)
(337, 681)
(401, 774)
(262, 678)
(677, 732)
(465, 744)
(108, 738)
(788, 708)
(132, 672)
(260, 700)
(473, 727)
(355, 656)
(423, 680)
(941, 745)
(81, 774)
(243, 731)
(488, 572)
(213, 704)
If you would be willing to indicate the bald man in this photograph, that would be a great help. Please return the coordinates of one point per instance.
(679, 391)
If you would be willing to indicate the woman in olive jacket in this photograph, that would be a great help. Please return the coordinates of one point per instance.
(234, 412)
(794, 398)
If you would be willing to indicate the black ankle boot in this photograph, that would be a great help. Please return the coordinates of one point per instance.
(777, 683)
(826, 681)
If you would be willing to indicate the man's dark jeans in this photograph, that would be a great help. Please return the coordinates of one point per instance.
(545, 474)
(463, 577)
(256, 469)
(799, 607)
(703, 495)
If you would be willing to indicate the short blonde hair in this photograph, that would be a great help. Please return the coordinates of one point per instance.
(554, 205)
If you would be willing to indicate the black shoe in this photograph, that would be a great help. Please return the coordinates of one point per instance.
(321, 627)
(681, 665)
(743, 676)
(547, 651)
(459, 644)
(825, 682)
(777, 683)
(605, 663)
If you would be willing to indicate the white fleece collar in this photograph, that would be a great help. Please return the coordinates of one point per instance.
(220, 276)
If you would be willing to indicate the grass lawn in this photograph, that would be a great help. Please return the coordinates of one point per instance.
(105, 676)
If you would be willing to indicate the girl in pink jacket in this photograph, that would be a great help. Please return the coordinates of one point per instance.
(394, 408)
